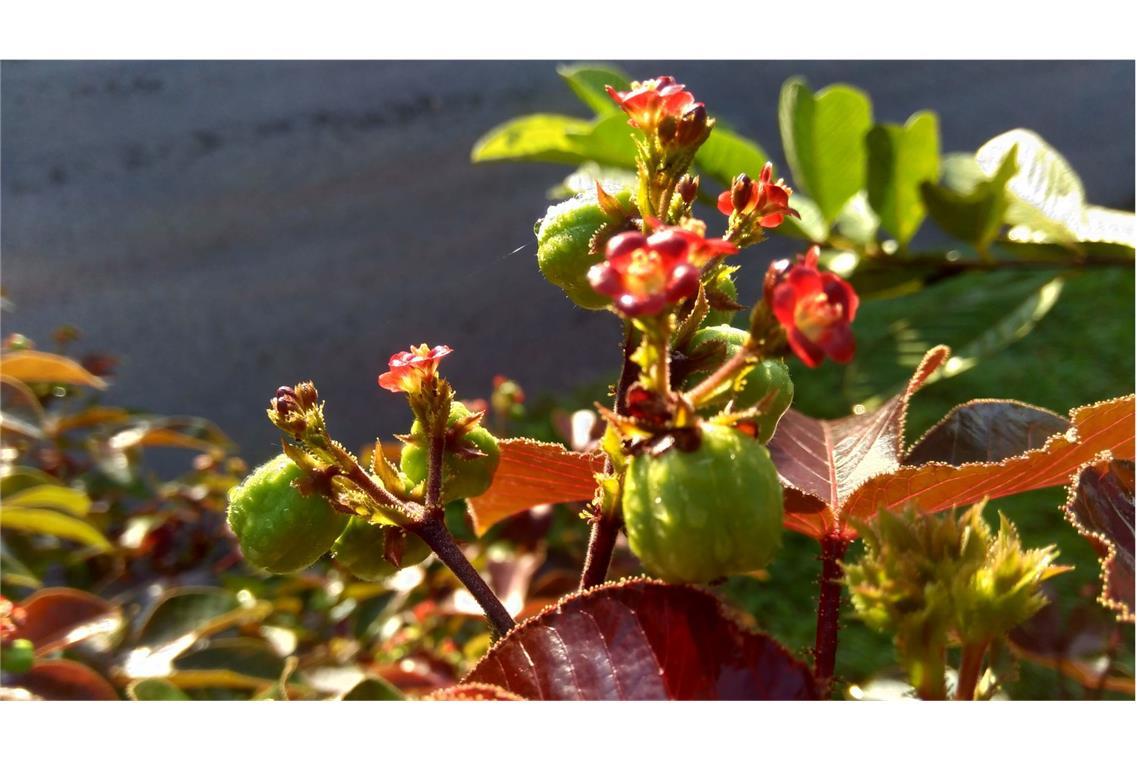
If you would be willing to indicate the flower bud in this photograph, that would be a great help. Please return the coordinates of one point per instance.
(687, 188)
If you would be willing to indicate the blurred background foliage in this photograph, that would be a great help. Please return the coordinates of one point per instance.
(119, 570)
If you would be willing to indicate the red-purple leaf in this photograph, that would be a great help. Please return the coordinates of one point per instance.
(1102, 507)
(641, 639)
(473, 692)
(532, 473)
(856, 466)
(56, 618)
(64, 680)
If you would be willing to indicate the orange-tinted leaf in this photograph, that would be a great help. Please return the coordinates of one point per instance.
(532, 473)
(856, 466)
(64, 680)
(41, 367)
(55, 618)
(473, 692)
(177, 432)
(641, 639)
(1102, 507)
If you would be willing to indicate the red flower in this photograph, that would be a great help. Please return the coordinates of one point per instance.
(763, 198)
(815, 308)
(653, 99)
(408, 369)
(644, 274)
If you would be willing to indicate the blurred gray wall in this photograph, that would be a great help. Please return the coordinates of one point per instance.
(229, 227)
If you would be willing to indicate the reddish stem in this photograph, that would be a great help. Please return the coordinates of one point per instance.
(970, 670)
(604, 533)
(833, 547)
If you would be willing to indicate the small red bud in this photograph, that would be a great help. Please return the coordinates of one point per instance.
(741, 192)
(687, 188)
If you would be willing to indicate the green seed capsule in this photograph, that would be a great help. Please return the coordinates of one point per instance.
(564, 254)
(766, 376)
(361, 550)
(696, 516)
(278, 528)
(462, 478)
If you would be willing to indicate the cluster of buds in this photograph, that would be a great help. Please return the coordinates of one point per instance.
(933, 580)
(664, 109)
(753, 206)
(644, 275)
(814, 308)
(294, 410)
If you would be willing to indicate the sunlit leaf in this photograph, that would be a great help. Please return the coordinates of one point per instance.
(900, 158)
(1102, 507)
(532, 473)
(51, 523)
(589, 84)
(41, 367)
(824, 141)
(537, 137)
(969, 204)
(177, 432)
(858, 465)
(20, 478)
(242, 655)
(56, 618)
(726, 154)
(810, 225)
(641, 639)
(51, 497)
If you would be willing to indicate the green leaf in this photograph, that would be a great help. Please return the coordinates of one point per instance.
(726, 154)
(970, 206)
(976, 314)
(373, 689)
(899, 160)
(810, 226)
(537, 137)
(51, 497)
(589, 84)
(608, 141)
(1046, 196)
(51, 523)
(20, 478)
(155, 690)
(824, 141)
(1107, 225)
(857, 222)
(243, 655)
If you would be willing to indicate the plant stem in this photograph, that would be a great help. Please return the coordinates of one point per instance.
(970, 670)
(434, 533)
(710, 384)
(833, 547)
(604, 532)
(436, 442)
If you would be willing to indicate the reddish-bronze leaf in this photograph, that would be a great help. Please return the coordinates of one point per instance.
(641, 639)
(56, 618)
(532, 473)
(64, 680)
(856, 466)
(473, 692)
(1102, 507)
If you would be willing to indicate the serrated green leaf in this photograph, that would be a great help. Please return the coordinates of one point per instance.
(899, 159)
(51, 523)
(824, 141)
(589, 84)
(726, 154)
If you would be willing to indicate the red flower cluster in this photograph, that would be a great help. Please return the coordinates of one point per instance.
(644, 274)
(649, 101)
(764, 198)
(815, 308)
(407, 370)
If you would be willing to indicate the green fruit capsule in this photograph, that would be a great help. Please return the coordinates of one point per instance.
(361, 549)
(696, 516)
(278, 528)
(462, 478)
(564, 254)
(766, 376)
